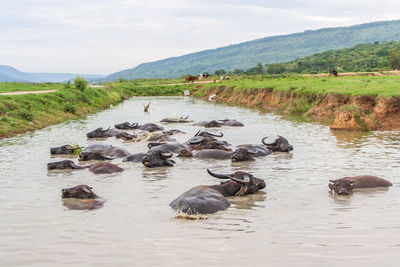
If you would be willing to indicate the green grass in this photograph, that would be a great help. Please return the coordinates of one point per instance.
(381, 86)
(21, 113)
(12, 87)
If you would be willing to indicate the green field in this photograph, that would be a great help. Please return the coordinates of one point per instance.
(21, 113)
(13, 87)
(381, 86)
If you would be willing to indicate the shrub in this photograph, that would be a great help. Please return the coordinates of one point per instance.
(69, 107)
(80, 83)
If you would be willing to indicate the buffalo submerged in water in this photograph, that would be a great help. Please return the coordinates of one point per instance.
(345, 186)
(81, 197)
(205, 199)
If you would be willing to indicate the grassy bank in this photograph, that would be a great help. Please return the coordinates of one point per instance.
(14, 87)
(21, 113)
(380, 86)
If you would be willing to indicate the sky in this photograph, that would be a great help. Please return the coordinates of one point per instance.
(106, 36)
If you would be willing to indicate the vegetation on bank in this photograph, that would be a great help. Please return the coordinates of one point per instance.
(380, 86)
(21, 113)
(13, 87)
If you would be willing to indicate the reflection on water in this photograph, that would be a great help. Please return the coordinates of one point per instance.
(293, 221)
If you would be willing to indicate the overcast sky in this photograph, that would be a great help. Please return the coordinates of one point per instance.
(105, 36)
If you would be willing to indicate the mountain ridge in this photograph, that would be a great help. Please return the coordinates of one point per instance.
(267, 50)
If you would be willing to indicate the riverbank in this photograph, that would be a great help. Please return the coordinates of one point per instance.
(22, 113)
(348, 104)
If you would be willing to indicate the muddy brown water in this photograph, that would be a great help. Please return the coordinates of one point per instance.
(294, 221)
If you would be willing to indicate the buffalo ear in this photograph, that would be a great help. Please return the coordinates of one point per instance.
(332, 182)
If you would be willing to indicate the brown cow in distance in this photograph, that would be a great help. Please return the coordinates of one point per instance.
(190, 78)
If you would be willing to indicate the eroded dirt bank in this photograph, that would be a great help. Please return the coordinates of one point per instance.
(356, 113)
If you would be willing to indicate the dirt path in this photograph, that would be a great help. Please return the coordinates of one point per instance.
(29, 92)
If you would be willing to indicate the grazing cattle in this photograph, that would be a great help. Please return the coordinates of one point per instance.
(105, 167)
(65, 149)
(157, 159)
(224, 77)
(345, 186)
(81, 197)
(204, 199)
(204, 75)
(279, 145)
(333, 73)
(190, 78)
(64, 164)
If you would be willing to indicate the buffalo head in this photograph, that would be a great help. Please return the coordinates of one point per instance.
(66, 149)
(242, 154)
(157, 159)
(279, 145)
(80, 191)
(98, 133)
(341, 186)
(126, 126)
(88, 155)
(240, 183)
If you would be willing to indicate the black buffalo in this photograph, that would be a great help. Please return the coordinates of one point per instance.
(105, 167)
(64, 164)
(279, 145)
(65, 149)
(204, 199)
(157, 159)
(81, 197)
(102, 152)
(345, 186)
(126, 126)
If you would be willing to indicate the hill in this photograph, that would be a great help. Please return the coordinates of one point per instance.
(266, 51)
(10, 74)
(363, 57)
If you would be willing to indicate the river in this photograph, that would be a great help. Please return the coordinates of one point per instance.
(294, 221)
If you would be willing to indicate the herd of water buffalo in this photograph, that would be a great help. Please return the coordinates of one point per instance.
(162, 146)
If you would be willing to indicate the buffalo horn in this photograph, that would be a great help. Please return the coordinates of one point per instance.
(245, 180)
(220, 176)
(262, 140)
(166, 155)
(103, 131)
(216, 135)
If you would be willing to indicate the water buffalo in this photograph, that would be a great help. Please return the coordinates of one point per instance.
(105, 167)
(345, 186)
(231, 123)
(176, 120)
(126, 126)
(150, 127)
(157, 159)
(204, 199)
(64, 164)
(137, 157)
(98, 133)
(161, 137)
(256, 150)
(206, 140)
(102, 152)
(81, 197)
(240, 154)
(213, 124)
(167, 147)
(126, 136)
(65, 149)
(279, 145)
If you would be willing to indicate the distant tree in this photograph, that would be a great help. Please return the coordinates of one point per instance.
(276, 68)
(237, 71)
(394, 59)
(220, 72)
(67, 85)
(80, 83)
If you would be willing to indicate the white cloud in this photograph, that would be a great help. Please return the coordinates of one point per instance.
(104, 36)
